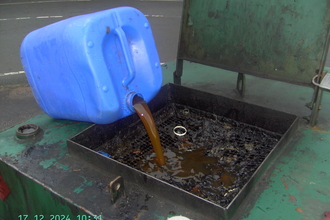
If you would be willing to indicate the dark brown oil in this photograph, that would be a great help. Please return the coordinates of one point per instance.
(194, 162)
(142, 109)
(182, 164)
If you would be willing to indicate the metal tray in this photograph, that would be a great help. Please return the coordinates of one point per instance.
(172, 107)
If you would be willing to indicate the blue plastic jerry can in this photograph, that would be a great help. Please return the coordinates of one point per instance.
(89, 67)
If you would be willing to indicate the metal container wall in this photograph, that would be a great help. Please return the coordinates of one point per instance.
(282, 40)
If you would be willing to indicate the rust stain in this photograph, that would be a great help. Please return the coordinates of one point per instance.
(82, 209)
(285, 184)
(196, 190)
(299, 210)
(292, 198)
(319, 130)
(58, 126)
(137, 216)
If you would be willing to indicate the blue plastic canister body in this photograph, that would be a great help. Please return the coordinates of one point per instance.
(89, 67)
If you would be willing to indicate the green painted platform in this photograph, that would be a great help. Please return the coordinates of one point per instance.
(46, 180)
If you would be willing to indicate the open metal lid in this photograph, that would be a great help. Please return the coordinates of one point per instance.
(284, 40)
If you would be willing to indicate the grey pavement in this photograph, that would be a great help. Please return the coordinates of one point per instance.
(18, 18)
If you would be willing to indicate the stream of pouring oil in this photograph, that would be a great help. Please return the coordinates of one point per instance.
(142, 109)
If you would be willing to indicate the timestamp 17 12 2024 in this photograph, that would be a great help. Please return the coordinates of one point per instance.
(59, 217)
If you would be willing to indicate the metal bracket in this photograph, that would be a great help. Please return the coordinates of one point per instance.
(240, 86)
(323, 82)
(117, 189)
(178, 72)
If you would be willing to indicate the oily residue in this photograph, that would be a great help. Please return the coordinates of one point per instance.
(214, 159)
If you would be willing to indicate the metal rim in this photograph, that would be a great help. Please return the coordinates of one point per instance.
(185, 111)
(176, 128)
(180, 217)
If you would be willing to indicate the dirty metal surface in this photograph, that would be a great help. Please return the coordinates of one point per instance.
(213, 160)
(45, 180)
(281, 40)
(231, 155)
(32, 166)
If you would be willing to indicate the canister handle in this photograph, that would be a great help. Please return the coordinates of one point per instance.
(127, 53)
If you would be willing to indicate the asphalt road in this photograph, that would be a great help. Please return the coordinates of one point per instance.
(19, 17)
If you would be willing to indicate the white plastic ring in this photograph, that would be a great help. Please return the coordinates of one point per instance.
(177, 128)
(180, 217)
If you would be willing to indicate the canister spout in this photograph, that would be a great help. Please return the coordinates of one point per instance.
(129, 100)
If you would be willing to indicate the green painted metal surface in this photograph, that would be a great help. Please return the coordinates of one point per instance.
(53, 132)
(299, 185)
(30, 200)
(48, 180)
(28, 165)
(279, 39)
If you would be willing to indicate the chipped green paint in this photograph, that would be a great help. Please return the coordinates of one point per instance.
(61, 166)
(29, 197)
(64, 150)
(299, 185)
(11, 150)
(9, 144)
(279, 39)
(304, 170)
(83, 185)
(47, 163)
(54, 132)
(53, 161)
(327, 69)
